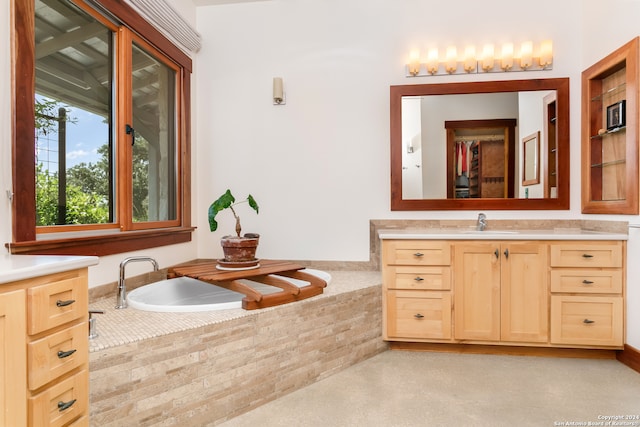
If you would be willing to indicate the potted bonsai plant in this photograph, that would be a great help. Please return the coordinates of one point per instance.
(237, 249)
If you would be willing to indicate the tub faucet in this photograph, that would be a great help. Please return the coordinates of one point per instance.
(121, 301)
(482, 222)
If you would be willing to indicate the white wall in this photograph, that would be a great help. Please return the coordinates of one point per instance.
(319, 165)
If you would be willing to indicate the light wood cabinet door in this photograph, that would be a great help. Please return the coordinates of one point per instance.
(477, 291)
(501, 291)
(416, 252)
(524, 293)
(418, 314)
(587, 320)
(13, 367)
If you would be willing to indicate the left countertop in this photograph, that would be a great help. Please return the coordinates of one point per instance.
(20, 267)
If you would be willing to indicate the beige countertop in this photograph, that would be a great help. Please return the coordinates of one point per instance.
(498, 234)
(20, 267)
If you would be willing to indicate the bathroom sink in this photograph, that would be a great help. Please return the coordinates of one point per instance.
(489, 232)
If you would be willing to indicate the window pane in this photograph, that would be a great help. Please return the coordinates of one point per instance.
(154, 151)
(74, 57)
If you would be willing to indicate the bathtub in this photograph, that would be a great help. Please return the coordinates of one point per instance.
(184, 294)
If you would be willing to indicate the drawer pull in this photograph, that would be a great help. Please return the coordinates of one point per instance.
(418, 279)
(65, 405)
(418, 316)
(60, 303)
(63, 354)
(587, 282)
(418, 254)
(588, 321)
(587, 256)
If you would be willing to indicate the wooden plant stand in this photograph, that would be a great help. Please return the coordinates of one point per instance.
(230, 279)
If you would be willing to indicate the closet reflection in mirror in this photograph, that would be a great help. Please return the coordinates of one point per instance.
(464, 145)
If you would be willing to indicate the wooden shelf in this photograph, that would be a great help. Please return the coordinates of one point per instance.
(610, 157)
(266, 273)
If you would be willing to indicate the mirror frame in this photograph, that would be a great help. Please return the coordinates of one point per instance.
(560, 85)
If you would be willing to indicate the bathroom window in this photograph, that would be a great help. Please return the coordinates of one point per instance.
(104, 166)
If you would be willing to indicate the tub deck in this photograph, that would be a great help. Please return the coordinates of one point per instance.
(230, 279)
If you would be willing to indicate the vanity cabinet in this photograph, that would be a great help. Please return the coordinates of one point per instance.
(587, 283)
(45, 346)
(417, 290)
(610, 133)
(13, 367)
(536, 293)
(501, 291)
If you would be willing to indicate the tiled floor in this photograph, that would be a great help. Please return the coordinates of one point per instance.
(398, 388)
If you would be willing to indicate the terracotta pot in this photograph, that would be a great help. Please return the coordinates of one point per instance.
(240, 249)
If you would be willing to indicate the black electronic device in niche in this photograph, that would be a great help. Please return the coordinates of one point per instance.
(616, 115)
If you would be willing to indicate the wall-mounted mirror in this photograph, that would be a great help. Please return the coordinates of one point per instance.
(449, 140)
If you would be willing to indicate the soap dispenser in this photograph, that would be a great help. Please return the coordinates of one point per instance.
(93, 333)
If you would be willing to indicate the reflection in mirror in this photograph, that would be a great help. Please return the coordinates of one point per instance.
(448, 141)
(531, 155)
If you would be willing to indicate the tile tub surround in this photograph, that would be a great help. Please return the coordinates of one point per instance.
(198, 369)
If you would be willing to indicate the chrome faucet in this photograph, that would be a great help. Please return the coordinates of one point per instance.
(121, 301)
(482, 222)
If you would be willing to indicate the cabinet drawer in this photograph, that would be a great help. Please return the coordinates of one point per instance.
(61, 403)
(416, 252)
(57, 354)
(57, 303)
(418, 314)
(588, 281)
(587, 320)
(590, 254)
(425, 278)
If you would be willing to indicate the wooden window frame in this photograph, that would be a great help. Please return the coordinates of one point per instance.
(24, 239)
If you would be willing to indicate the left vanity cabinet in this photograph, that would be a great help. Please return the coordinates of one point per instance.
(45, 341)
(417, 294)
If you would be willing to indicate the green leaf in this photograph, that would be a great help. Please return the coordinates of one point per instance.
(253, 203)
(222, 203)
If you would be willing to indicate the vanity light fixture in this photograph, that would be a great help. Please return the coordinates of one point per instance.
(487, 58)
(507, 59)
(414, 62)
(526, 54)
(432, 61)
(452, 60)
(506, 62)
(470, 62)
(546, 54)
(278, 92)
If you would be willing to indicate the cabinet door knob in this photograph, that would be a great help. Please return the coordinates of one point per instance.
(418, 279)
(418, 254)
(587, 282)
(506, 253)
(588, 321)
(497, 253)
(65, 405)
(587, 256)
(418, 316)
(60, 303)
(63, 354)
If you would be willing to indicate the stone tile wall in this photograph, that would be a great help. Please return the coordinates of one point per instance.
(204, 376)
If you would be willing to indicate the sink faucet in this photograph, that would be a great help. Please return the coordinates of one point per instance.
(121, 301)
(482, 222)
